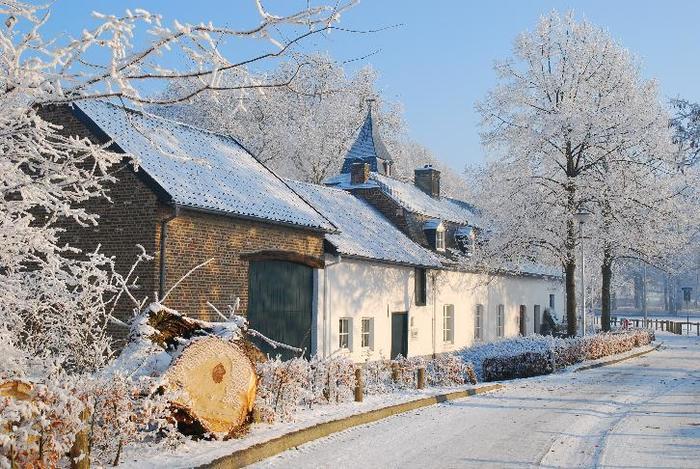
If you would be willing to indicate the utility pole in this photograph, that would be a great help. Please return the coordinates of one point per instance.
(644, 293)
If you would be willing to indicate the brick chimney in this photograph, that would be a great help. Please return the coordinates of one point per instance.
(427, 179)
(359, 173)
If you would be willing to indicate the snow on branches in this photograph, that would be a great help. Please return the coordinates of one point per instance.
(572, 125)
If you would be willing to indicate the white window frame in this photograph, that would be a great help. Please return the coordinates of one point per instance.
(479, 322)
(367, 334)
(440, 238)
(448, 324)
(501, 321)
(345, 336)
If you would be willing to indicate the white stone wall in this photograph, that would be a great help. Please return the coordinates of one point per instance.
(358, 289)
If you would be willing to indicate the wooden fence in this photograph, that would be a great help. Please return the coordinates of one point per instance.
(676, 327)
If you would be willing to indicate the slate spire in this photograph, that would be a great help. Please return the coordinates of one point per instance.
(368, 148)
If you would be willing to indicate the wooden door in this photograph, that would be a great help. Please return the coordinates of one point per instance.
(279, 304)
(399, 334)
(537, 319)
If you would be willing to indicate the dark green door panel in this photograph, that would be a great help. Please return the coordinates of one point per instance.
(280, 302)
(399, 334)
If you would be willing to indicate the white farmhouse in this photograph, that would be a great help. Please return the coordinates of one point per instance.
(391, 284)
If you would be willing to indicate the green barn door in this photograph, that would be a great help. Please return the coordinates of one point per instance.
(279, 304)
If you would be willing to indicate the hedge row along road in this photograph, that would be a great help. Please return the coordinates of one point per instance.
(643, 412)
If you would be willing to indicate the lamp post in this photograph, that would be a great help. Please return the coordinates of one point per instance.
(582, 217)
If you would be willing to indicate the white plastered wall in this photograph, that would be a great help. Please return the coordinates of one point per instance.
(357, 289)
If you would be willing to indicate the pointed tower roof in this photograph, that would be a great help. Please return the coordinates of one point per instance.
(367, 148)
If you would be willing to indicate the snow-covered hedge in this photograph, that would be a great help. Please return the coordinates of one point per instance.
(519, 357)
(523, 365)
(286, 387)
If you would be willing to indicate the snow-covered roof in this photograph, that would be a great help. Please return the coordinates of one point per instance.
(367, 147)
(363, 231)
(202, 170)
(413, 199)
(433, 224)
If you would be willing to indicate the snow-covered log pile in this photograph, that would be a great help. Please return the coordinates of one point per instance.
(207, 368)
(537, 355)
(285, 387)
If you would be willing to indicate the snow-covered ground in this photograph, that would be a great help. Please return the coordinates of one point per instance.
(195, 453)
(644, 412)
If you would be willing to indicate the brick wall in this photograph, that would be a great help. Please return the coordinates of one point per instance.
(129, 219)
(134, 216)
(194, 237)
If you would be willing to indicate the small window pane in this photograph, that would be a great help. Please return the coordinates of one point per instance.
(500, 321)
(344, 334)
(448, 317)
(440, 240)
(366, 332)
(421, 287)
(478, 322)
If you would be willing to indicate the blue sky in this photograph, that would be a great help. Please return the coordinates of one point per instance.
(438, 63)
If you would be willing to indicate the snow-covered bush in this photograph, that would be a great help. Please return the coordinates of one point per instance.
(505, 347)
(38, 428)
(377, 376)
(283, 387)
(523, 365)
(123, 412)
(449, 370)
(333, 379)
(536, 355)
(404, 371)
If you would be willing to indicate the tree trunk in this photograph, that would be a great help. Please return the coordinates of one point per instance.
(570, 274)
(606, 272)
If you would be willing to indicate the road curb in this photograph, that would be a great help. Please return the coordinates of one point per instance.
(618, 360)
(282, 443)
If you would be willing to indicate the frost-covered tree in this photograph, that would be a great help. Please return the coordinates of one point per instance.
(304, 129)
(569, 102)
(686, 127)
(645, 211)
(54, 299)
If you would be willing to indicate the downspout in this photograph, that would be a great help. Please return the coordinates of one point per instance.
(163, 243)
(433, 277)
(327, 309)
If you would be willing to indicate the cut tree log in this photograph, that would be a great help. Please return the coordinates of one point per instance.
(16, 389)
(214, 383)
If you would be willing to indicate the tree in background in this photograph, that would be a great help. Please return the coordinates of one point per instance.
(54, 300)
(569, 117)
(303, 129)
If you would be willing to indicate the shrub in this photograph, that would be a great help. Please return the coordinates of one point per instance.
(518, 366)
(536, 355)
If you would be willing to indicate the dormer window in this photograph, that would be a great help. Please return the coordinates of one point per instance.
(465, 237)
(440, 240)
(435, 234)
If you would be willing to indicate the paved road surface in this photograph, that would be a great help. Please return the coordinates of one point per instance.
(644, 412)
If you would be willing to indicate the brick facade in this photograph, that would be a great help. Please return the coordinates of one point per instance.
(134, 216)
(195, 237)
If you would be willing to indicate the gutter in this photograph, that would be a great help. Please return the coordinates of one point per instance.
(163, 244)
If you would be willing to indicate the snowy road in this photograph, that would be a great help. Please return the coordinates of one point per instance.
(644, 412)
